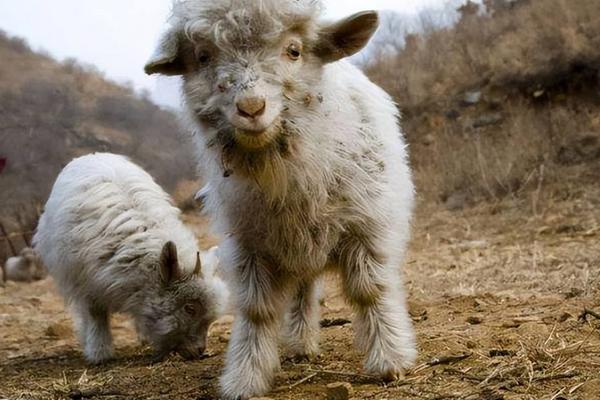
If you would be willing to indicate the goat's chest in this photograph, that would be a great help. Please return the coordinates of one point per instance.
(297, 235)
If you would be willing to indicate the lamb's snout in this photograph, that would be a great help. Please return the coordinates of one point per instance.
(251, 107)
(192, 351)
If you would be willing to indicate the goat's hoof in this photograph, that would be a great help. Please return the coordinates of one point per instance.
(392, 375)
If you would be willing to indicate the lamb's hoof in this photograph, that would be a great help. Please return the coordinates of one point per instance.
(99, 356)
(392, 375)
(99, 360)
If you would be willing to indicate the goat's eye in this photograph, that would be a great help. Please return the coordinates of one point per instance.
(203, 57)
(294, 52)
(190, 309)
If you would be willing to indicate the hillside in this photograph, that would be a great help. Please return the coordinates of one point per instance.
(502, 104)
(51, 112)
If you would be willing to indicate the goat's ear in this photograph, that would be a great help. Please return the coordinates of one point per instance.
(347, 37)
(169, 263)
(198, 268)
(167, 58)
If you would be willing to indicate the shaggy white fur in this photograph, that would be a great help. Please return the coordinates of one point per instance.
(105, 236)
(318, 180)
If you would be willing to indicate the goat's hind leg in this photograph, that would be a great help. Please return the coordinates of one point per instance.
(302, 325)
(383, 326)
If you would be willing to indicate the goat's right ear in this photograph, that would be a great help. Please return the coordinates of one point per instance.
(169, 264)
(347, 37)
(167, 58)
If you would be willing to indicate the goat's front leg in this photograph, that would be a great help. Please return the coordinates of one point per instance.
(302, 335)
(252, 357)
(383, 326)
(94, 332)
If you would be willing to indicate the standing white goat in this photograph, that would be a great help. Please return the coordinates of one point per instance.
(113, 242)
(307, 170)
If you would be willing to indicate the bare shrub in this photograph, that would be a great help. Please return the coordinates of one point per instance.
(532, 68)
(57, 111)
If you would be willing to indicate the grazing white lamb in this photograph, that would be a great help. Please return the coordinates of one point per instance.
(307, 171)
(26, 267)
(113, 242)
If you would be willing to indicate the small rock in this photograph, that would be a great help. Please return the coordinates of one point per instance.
(474, 320)
(472, 98)
(339, 391)
(488, 120)
(457, 201)
(59, 330)
(261, 398)
(565, 317)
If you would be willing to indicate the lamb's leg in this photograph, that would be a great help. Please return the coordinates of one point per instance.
(94, 332)
(383, 326)
(252, 357)
(303, 322)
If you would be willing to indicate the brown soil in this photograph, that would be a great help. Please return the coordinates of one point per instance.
(495, 291)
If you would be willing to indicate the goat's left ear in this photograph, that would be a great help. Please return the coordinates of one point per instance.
(347, 37)
(169, 264)
(168, 57)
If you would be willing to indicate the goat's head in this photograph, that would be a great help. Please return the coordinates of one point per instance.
(247, 63)
(178, 315)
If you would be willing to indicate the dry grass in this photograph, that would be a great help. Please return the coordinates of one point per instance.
(496, 311)
(536, 69)
(529, 42)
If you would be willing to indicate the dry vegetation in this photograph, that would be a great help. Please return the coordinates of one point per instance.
(502, 101)
(51, 112)
(497, 313)
(502, 113)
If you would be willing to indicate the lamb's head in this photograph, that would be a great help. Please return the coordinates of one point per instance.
(247, 64)
(178, 316)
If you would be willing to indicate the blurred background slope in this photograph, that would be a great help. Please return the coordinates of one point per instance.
(506, 98)
(51, 112)
(498, 99)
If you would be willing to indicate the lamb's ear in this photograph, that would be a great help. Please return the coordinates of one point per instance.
(167, 58)
(198, 268)
(169, 263)
(347, 37)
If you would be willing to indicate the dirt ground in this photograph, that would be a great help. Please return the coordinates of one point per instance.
(496, 293)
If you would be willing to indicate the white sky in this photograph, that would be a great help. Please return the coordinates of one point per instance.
(119, 35)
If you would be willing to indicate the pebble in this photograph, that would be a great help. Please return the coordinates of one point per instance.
(339, 391)
(59, 330)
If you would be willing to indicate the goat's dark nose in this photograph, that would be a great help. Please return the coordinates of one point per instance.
(251, 107)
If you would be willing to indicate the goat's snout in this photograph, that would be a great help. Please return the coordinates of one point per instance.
(251, 107)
